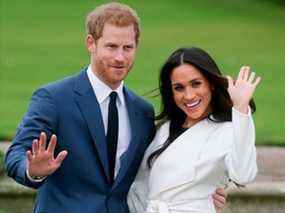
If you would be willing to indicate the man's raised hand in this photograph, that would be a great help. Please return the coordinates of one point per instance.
(41, 161)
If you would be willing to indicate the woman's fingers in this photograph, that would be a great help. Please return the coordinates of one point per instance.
(230, 81)
(257, 81)
(251, 77)
(246, 70)
(241, 73)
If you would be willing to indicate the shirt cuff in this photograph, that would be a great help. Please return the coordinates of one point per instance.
(37, 180)
(243, 114)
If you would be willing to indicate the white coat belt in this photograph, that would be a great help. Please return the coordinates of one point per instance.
(157, 206)
(191, 206)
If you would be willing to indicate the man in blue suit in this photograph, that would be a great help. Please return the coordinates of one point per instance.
(90, 161)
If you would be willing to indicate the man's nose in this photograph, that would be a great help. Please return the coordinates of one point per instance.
(119, 55)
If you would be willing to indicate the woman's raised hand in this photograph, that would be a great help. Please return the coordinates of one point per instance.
(241, 90)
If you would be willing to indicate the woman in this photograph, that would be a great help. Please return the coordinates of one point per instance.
(205, 139)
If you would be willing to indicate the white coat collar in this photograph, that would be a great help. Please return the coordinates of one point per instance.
(176, 165)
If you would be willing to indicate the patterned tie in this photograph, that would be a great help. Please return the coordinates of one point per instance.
(112, 134)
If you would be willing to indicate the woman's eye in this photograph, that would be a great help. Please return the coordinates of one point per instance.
(196, 83)
(178, 88)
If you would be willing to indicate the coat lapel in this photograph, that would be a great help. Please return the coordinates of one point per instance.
(176, 165)
(128, 156)
(91, 112)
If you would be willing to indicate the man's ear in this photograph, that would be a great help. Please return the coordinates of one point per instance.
(90, 43)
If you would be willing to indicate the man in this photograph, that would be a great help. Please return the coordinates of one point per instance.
(97, 129)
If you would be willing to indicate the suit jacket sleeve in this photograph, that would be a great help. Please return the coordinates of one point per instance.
(241, 161)
(41, 116)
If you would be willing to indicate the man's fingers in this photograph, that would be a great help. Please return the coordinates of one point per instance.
(61, 156)
(52, 144)
(220, 200)
(218, 206)
(29, 155)
(221, 193)
(35, 147)
(42, 142)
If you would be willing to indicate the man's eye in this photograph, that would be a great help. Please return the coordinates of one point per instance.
(129, 48)
(111, 46)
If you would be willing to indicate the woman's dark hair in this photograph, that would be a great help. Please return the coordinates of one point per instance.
(221, 103)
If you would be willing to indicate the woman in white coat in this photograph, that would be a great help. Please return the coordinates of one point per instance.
(205, 137)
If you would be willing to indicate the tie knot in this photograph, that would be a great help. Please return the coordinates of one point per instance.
(113, 96)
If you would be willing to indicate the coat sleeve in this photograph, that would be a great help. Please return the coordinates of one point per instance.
(40, 116)
(241, 160)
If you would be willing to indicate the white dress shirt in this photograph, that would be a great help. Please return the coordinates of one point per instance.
(102, 92)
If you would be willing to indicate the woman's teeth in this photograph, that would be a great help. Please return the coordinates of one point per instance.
(194, 103)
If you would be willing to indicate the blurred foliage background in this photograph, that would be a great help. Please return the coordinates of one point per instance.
(42, 41)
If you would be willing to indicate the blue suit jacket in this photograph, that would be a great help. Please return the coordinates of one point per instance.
(69, 109)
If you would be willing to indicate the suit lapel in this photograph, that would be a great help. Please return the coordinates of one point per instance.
(91, 112)
(129, 155)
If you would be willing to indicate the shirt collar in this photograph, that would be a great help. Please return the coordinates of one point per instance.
(102, 90)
